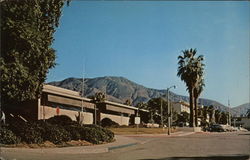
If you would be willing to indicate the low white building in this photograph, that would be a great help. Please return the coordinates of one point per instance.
(181, 107)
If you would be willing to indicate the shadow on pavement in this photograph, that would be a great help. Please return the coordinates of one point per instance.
(231, 157)
(244, 134)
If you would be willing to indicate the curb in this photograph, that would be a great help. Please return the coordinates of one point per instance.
(121, 146)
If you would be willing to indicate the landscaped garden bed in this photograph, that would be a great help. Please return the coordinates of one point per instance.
(58, 131)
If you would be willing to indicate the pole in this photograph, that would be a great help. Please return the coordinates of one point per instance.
(162, 116)
(137, 124)
(168, 112)
(95, 114)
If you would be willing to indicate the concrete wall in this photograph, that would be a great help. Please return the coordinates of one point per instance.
(121, 120)
(48, 112)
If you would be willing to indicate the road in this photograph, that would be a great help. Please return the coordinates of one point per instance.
(228, 146)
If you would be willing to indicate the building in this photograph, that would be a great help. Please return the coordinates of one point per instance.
(180, 106)
(60, 101)
(242, 122)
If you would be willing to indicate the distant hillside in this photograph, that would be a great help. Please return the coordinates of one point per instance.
(119, 89)
(242, 109)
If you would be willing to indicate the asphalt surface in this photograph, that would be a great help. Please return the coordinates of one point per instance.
(200, 146)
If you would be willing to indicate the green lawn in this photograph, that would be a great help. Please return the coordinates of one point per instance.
(123, 131)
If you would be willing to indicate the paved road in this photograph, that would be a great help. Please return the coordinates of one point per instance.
(228, 146)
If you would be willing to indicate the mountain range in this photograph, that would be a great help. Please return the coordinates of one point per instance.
(120, 89)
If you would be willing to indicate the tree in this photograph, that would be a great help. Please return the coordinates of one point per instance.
(190, 70)
(248, 113)
(97, 99)
(27, 28)
(204, 113)
(154, 106)
(217, 116)
(183, 117)
(128, 102)
(223, 119)
(211, 112)
(197, 92)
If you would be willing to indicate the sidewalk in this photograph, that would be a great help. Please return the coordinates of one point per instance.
(121, 142)
(175, 134)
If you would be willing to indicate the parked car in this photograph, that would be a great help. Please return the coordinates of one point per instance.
(217, 128)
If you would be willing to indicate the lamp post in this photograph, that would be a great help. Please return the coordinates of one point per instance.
(169, 110)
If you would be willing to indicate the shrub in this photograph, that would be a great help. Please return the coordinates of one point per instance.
(56, 134)
(74, 132)
(28, 132)
(107, 122)
(96, 134)
(8, 137)
(60, 120)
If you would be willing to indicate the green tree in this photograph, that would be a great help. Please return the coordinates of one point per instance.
(204, 112)
(27, 28)
(217, 116)
(211, 112)
(223, 119)
(190, 70)
(248, 113)
(98, 99)
(154, 106)
(183, 117)
(197, 92)
(128, 102)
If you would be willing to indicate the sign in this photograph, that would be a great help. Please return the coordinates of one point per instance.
(57, 110)
(137, 120)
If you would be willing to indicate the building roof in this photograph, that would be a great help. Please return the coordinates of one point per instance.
(73, 94)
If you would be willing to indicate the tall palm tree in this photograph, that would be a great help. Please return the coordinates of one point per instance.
(197, 92)
(190, 70)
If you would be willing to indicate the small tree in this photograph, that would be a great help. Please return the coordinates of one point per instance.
(183, 117)
(154, 106)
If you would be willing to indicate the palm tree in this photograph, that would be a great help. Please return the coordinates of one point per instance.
(97, 99)
(128, 102)
(190, 70)
(217, 116)
(211, 112)
(197, 92)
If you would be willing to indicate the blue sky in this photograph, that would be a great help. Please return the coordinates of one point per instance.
(142, 40)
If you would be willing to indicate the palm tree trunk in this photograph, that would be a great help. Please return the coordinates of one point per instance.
(191, 101)
(196, 110)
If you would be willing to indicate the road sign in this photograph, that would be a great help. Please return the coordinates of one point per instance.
(137, 120)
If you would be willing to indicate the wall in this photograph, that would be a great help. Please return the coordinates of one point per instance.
(47, 112)
(121, 120)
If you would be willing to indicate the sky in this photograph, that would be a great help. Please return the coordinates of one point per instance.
(141, 41)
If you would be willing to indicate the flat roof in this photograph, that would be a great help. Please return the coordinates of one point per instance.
(73, 94)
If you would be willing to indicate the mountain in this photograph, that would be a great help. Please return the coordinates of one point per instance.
(242, 109)
(119, 89)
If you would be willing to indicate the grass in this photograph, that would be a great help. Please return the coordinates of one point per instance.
(124, 131)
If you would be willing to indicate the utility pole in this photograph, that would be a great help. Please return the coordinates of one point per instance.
(162, 115)
(169, 109)
(229, 116)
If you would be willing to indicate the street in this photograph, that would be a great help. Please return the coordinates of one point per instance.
(228, 146)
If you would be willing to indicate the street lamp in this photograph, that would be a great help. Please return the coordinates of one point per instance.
(169, 110)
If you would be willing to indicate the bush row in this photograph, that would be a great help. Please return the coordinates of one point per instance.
(57, 129)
